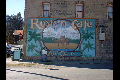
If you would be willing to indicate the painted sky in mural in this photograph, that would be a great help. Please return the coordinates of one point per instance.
(61, 30)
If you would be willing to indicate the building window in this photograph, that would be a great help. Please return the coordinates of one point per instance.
(102, 33)
(79, 10)
(46, 9)
(102, 29)
(110, 11)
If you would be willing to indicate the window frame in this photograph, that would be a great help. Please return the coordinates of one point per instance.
(43, 3)
(109, 12)
(102, 30)
(82, 11)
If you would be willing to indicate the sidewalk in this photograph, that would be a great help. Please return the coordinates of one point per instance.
(97, 65)
(45, 65)
(9, 61)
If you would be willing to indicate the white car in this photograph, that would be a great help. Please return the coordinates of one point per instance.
(15, 48)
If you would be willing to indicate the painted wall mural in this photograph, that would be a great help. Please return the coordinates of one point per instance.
(61, 37)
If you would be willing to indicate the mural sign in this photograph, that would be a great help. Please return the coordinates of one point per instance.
(61, 37)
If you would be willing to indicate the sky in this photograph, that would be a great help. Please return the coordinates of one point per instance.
(14, 7)
(60, 30)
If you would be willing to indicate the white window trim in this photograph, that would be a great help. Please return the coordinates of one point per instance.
(109, 5)
(79, 4)
(46, 10)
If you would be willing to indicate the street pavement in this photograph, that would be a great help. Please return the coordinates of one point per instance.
(57, 72)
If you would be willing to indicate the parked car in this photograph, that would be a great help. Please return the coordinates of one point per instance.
(8, 52)
(16, 47)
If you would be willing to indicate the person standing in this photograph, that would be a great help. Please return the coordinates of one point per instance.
(44, 55)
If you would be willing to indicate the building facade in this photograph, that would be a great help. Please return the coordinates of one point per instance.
(99, 10)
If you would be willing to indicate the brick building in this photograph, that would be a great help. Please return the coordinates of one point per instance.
(100, 10)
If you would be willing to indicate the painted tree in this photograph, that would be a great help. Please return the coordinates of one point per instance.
(37, 37)
(32, 47)
(86, 36)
